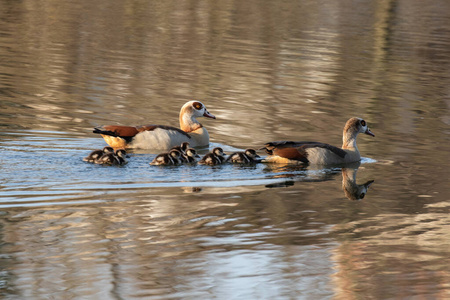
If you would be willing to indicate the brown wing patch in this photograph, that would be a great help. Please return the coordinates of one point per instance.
(116, 130)
(128, 132)
(301, 147)
(291, 153)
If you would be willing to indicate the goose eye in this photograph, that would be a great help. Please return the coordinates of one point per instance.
(363, 123)
(362, 196)
(197, 105)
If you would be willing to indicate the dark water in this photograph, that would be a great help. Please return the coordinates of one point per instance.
(269, 70)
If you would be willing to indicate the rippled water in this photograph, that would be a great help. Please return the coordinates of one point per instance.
(268, 70)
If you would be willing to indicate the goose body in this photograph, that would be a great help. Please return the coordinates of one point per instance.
(319, 153)
(160, 137)
(246, 157)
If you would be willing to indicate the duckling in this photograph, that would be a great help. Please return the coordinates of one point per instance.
(182, 148)
(176, 156)
(94, 155)
(215, 157)
(246, 157)
(167, 159)
(191, 156)
(116, 159)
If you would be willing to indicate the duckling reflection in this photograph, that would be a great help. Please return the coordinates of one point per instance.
(352, 190)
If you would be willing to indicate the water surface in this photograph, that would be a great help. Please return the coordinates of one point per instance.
(269, 71)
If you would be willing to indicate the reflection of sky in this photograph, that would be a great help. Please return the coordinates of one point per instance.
(269, 70)
(283, 271)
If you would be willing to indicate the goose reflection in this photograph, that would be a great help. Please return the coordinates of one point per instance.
(352, 190)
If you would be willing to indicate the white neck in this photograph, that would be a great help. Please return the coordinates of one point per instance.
(188, 122)
(349, 141)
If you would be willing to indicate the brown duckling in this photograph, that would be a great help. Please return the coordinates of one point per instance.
(182, 148)
(96, 154)
(215, 157)
(245, 157)
(115, 159)
(191, 156)
(173, 157)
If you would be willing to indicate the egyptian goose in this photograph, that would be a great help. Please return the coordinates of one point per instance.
(94, 155)
(161, 137)
(215, 157)
(191, 156)
(171, 158)
(115, 159)
(319, 153)
(246, 157)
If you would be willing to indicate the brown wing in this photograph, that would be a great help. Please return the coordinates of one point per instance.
(297, 150)
(117, 131)
(128, 132)
(291, 153)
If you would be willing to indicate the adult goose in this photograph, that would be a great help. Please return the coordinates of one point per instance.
(160, 137)
(319, 153)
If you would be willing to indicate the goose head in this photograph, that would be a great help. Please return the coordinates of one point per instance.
(352, 128)
(189, 114)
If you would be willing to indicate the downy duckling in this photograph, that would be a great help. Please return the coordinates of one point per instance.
(215, 157)
(191, 156)
(246, 157)
(96, 154)
(173, 157)
(182, 148)
(115, 159)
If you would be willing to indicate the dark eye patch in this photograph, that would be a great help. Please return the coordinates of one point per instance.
(197, 105)
(363, 123)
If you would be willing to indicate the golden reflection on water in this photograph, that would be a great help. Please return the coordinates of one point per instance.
(290, 70)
